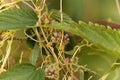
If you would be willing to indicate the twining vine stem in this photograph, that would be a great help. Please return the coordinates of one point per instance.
(118, 6)
(7, 53)
(61, 11)
(61, 18)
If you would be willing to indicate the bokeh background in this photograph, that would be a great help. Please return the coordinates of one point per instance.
(88, 10)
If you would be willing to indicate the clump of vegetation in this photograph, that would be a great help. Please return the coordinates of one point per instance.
(40, 43)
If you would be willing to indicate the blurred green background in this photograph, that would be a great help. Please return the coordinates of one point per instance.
(88, 10)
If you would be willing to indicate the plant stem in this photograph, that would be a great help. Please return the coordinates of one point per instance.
(61, 14)
(8, 49)
(118, 6)
(61, 18)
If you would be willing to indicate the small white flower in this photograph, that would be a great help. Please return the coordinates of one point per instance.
(52, 71)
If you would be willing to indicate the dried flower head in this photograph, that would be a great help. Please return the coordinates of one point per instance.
(57, 36)
(52, 71)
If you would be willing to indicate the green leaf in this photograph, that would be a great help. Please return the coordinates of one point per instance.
(97, 60)
(57, 16)
(35, 54)
(17, 19)
(23, 72)
(23, 6)
(105, 38)
(113, 74)
(70, 27)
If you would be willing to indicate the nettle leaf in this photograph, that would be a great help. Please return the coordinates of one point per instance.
(35, 54)
(105, 38)
(23, 72)
(24, 6)
(97, 60)
(56, 15)
(113, 74)
(70, 27)
(17, 19)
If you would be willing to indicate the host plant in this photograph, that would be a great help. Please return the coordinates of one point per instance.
(57, 47)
